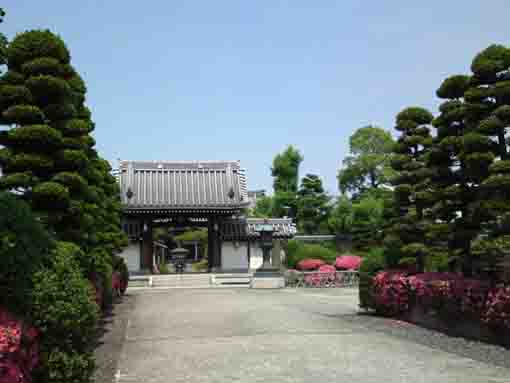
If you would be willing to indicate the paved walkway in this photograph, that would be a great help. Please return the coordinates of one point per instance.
(243, 335)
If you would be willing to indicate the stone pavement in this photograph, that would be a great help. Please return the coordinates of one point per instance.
(312, 335)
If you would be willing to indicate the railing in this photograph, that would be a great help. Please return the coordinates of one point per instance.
(321, 279)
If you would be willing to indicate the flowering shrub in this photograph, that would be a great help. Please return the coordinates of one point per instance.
(391, 292)
(348, 262)
(448, 294)
(431, 289)
(310, 264)
(18, 349)
(497, 308)
(470, 295)
(120, 265)
(325, 273)
(116, 283)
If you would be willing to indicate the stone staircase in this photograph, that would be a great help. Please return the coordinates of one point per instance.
(191, 280)
(231, 279)
(182, 280)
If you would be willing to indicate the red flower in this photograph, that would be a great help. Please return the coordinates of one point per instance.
(310, 264)
(348, 262)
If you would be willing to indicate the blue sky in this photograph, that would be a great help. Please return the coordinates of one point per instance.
(186, 79)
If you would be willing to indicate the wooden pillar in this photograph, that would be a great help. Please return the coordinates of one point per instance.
(211, 244)
(147, 247)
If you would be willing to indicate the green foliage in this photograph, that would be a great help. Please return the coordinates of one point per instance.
(297, 251)
(285, 170)
(368, 165)
(373, 262)
(263, 207)
(12, 77)
(66, 366)
(313, 206)
(284, 204)
(34, 136)
(193, 235)
(14, 94)
(201, 266)
(59, 112)
(24, 246)
(453, 87)
(76, 127)
(71, 159)
(51, 196)
(42, 66)
(24, 161)
(340, 221)
(47, 89)
(366, 221)
(491, 61)
(17, 180)
(63, 311)
(31, 45)
(73, 181)
(23, 115)
(163, 268)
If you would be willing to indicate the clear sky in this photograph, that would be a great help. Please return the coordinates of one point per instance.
(186, 79)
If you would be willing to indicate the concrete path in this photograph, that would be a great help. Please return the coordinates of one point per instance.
(243, 335)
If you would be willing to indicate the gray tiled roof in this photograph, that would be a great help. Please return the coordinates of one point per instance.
(236, 229)
(182, 185)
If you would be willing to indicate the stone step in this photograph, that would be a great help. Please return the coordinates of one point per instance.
(185, 280)
(237, 279)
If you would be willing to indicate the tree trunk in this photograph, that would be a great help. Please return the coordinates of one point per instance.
(502, 145)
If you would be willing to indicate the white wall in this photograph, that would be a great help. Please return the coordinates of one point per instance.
(131, 255)
(234, 257)
(256, 258)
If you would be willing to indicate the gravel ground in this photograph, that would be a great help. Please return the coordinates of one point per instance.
(305, 335)
(479, 351)
(110, 340)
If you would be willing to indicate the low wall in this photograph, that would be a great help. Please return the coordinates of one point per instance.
(465, 328)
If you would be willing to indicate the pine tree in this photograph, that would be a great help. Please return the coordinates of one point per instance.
(412, 189)
(49, 157)
(488, 113)
(313, 207)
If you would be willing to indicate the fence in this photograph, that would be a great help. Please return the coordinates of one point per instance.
(321, 279)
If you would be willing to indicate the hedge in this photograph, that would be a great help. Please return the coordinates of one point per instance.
(66, 316)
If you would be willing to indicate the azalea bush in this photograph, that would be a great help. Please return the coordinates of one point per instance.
(325, 273)
(448, 295)
(497, 308)
(391, 292)
(310, 264)
(348, 262)
(19, 353)
(119, 265)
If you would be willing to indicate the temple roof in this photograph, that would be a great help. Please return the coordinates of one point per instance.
(182, 186)
(245, 228)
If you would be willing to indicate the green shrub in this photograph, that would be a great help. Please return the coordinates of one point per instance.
(297, 251)
(163, 268)
(62, 309)
(372, 263)
(24, 244)
(200, 266)
(67, 366)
